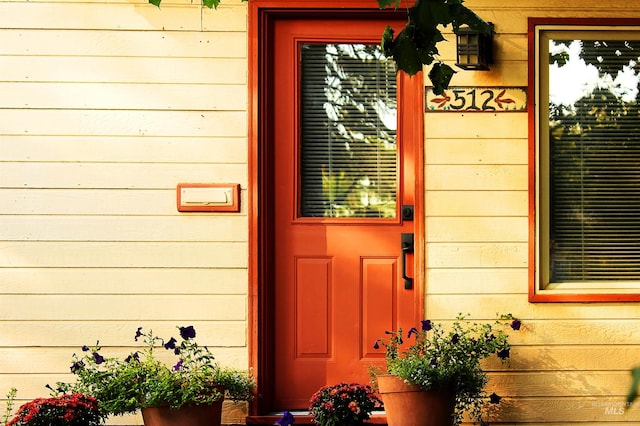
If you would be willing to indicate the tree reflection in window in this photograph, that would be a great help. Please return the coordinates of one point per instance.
(594, 155)
(348, 152)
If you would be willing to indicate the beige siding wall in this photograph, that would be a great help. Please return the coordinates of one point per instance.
(104, 108)
(571, 361)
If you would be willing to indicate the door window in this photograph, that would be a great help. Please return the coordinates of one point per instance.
(348, 143)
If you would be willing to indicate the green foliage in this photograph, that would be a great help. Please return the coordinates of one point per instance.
(211, 4)
(141, 380)
(416, 45)
(440, 75)
(560, 58)
(386, 3)
(633, 391)
(11, 396)
(450, 358)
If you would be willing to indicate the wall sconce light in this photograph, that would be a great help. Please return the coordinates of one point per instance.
(474, 49)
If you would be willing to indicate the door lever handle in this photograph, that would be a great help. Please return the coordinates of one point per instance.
(406, 245)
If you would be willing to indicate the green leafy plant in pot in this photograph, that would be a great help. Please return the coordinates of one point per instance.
(142, 380)
(447, 361)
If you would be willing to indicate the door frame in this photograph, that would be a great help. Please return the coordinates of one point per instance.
(262, 15)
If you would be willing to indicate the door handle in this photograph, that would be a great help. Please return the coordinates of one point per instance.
(406, 245)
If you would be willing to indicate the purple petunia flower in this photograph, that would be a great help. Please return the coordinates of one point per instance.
(85, 348)
(494, 398)
(412, 331)
(171, 344)
(138, 334)
(286, 420)
(178, 366)
(376, 345)
(98, 358)
(426, 325)
(455, 338)
(133, 357)
(503, 354)
(78, 365)
(515, 324)
(187, 332)
(434, 363)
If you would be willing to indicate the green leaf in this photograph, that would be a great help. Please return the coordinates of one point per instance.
(440, 76)
(429, 13)
(560, 59)
(633, 392)
(405, 52)
(387, 41)
(426, 42)
(461, 15)
(211, 4)
(155, 2)
(383, 4)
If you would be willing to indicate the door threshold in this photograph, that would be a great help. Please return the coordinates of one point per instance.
(304, 418)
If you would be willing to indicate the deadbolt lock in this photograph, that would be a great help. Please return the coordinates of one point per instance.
(407, 212)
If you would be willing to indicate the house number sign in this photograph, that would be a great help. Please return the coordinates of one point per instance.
(477, 99)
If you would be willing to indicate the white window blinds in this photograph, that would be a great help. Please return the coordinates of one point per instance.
(593, 158)
(348, 152)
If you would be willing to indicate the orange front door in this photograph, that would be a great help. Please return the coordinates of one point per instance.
(345, 155)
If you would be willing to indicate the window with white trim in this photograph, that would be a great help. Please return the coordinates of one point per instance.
(587, 169)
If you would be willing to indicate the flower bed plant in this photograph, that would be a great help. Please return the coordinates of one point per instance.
(64, 410)
(344, 404)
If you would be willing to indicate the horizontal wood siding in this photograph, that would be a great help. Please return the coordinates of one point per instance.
(570, 362)
(104, 108)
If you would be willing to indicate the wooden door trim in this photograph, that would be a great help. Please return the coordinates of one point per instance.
(262, 15)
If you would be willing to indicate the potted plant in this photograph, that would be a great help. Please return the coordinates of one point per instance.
(344, 404)
(444, 364)
(62, 410)
(191, 385)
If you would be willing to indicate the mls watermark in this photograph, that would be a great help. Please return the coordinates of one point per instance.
(613, 408)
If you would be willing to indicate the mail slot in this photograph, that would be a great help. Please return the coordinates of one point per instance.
(208, 197)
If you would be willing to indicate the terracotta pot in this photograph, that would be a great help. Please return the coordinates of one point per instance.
(192, 415)
(407, 405)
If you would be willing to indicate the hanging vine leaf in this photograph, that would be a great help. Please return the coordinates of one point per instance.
(633, 391)
(440, 76)
(403, 50)
(386, 3)
(211, 4)
(416, 45)
(462, 15)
